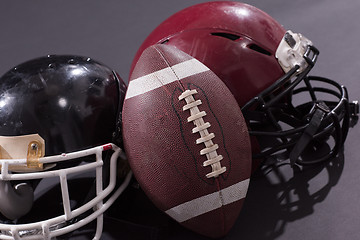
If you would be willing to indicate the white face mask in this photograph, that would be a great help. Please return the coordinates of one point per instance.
(17, 201)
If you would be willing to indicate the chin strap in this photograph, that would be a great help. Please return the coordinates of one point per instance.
(15, 201)
(321, 109)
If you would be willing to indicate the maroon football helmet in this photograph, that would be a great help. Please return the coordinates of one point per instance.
(266, 68)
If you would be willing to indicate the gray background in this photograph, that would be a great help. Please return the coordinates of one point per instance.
(318, 203)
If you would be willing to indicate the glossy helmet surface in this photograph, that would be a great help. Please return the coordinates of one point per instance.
(265, 67)
(59, 118)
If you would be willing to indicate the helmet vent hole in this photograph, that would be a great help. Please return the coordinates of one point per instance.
(230, 36)
(259, 49)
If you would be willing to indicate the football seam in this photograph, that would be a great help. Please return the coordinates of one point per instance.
(170, 66)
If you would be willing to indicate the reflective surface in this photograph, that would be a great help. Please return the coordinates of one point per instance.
(237, 41)
(72, 102)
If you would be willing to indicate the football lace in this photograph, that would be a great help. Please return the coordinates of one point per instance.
(201, 127)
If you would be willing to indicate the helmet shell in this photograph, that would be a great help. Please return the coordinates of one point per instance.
(235, 40)
(72, 102)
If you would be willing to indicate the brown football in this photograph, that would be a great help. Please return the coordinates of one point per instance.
(186, 140)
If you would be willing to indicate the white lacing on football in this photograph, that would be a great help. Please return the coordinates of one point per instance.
(201, 127)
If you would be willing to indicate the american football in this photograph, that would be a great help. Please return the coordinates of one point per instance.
(186, 140)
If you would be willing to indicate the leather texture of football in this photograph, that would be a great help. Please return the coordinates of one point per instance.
(186, 140)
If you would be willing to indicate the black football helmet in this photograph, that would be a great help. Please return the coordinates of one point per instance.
(60, 118)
